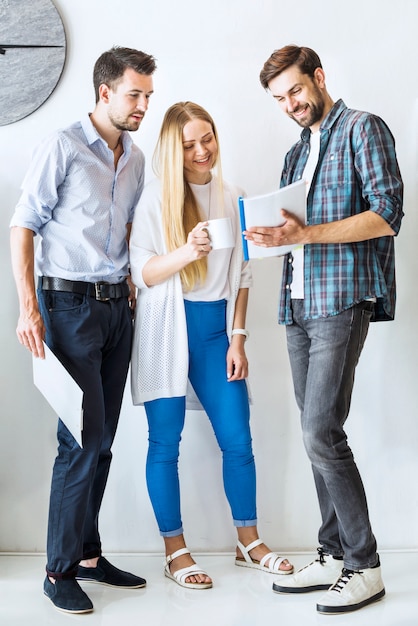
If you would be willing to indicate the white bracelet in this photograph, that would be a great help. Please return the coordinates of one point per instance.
(241, 331)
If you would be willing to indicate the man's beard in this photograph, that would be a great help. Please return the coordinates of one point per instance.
(313, 116)
(314, 112)
(125, 124)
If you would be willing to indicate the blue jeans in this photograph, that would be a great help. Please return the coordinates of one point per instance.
(226, 404)
(92, 339)
(323, 356)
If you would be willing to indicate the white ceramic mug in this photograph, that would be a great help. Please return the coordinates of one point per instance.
(221, 233)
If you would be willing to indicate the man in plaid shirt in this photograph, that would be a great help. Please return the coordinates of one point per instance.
(340, 277)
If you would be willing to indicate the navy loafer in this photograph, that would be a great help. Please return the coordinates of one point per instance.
(107, 574)
(67, 596)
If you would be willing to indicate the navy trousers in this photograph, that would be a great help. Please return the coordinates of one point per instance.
(93, 340)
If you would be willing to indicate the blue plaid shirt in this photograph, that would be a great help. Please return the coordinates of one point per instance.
(357, 171)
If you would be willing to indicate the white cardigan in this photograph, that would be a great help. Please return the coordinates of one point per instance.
(159, 367)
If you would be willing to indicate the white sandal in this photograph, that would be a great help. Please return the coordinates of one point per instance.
(272, 568)
(180, 575)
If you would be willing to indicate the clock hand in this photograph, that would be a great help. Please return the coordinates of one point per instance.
(4, 47)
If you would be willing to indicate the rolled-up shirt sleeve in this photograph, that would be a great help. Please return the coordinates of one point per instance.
(377, 167)
(40, 186)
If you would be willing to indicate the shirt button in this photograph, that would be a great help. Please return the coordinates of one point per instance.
(287, 286)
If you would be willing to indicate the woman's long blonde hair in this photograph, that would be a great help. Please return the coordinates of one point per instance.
(180, 210)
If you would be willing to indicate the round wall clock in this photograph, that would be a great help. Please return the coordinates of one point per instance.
(32, 56)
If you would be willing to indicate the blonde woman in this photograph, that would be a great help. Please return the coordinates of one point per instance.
(188, 348)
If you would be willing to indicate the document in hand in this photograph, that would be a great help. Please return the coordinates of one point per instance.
(265, 211)
(61, 391)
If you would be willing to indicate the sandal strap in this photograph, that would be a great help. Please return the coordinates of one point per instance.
(170, 557)
(245, 550)
(275, 561)
(185, 572)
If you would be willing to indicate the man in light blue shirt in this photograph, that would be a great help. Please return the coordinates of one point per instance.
(79, 196)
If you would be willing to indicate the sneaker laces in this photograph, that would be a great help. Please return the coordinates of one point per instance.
(321, 559)
(321, 555)
(346, 576)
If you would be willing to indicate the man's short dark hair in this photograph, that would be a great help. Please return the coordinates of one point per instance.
(111, 65)
(306, 60)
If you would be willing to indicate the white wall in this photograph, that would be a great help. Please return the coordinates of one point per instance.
(213, 55)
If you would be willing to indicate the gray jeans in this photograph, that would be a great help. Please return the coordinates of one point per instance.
(323, 356)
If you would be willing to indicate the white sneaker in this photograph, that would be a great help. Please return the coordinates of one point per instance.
(318, 575)
(352, 591)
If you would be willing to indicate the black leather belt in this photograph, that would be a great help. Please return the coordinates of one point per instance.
(101, 291)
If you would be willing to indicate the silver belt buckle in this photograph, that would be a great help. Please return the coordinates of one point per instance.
(98, 291)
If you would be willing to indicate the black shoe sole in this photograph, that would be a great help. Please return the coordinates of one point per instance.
(114, 585)
(282, 589)
(350, 608)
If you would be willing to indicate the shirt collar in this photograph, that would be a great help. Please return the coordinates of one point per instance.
(92, 135)
(333, 115)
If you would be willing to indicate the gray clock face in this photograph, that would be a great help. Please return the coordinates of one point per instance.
(32, 56)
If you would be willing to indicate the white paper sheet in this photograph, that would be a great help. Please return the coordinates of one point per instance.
(265, 210)
(61, 391)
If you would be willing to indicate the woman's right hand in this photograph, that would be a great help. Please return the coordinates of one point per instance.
(161, 267)
(198, 241)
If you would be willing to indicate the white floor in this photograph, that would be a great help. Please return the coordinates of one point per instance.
(240, 597)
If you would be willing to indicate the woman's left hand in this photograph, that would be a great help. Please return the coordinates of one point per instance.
(236, 360)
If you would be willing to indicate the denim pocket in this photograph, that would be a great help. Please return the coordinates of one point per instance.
(61, 301)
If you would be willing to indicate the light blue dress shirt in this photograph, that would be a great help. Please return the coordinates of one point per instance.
(77, 202)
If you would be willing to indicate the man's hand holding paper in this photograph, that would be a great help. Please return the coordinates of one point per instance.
(273, 224)
(292, 231)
